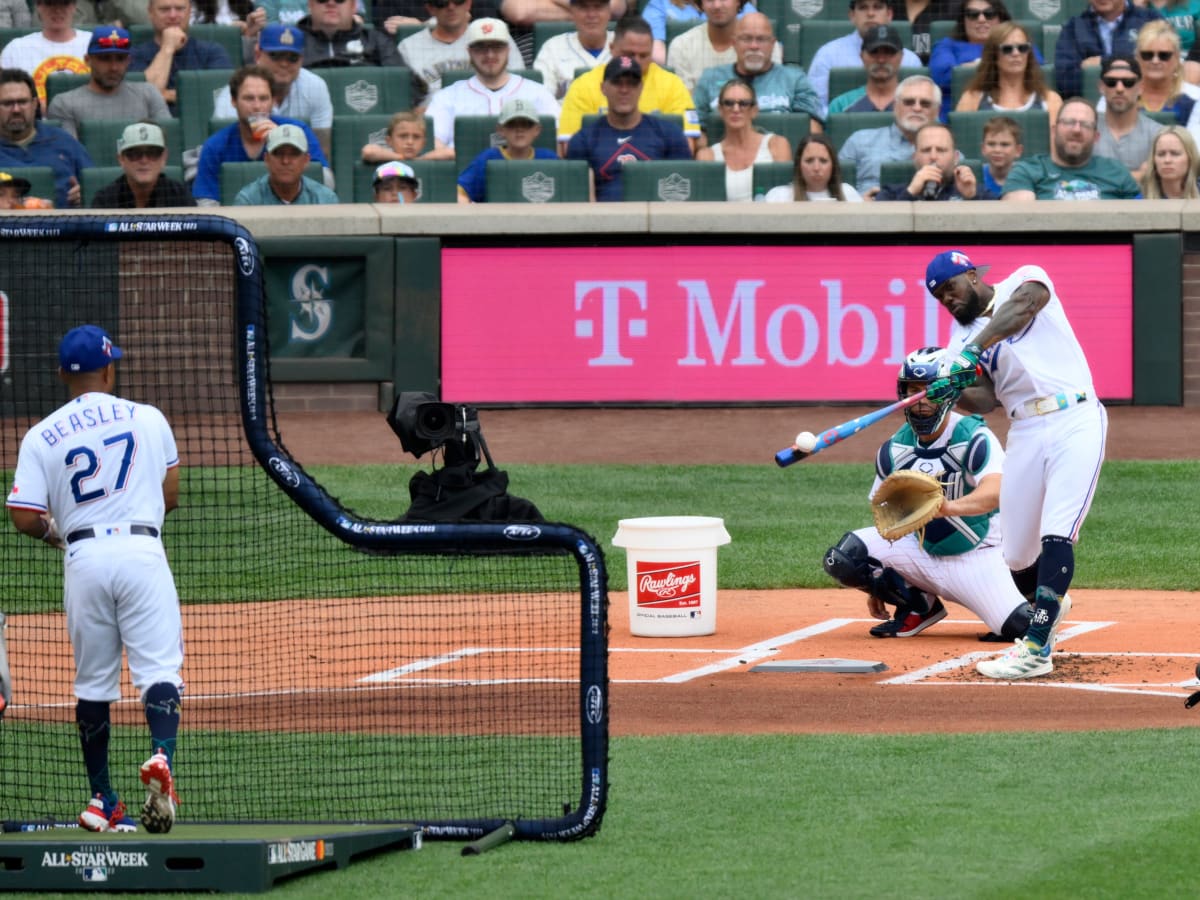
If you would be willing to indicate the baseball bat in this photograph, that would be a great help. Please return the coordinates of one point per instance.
(831, 436)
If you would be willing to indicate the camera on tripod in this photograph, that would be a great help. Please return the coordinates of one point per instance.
(424, 424)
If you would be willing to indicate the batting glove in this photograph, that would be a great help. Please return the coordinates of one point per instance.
(942, 390)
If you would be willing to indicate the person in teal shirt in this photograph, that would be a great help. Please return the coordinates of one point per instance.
(285, 183)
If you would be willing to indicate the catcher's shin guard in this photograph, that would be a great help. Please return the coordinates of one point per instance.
(849, 563)
(1017, 623)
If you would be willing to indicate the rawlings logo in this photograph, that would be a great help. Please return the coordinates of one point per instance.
(668, 584)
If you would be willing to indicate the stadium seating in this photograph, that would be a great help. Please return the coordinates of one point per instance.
(1052, 13)
(100, 138)
(902, 171)
(961, 76)
(368, 90)
(840, 126)
(792, 126)
(40, 178)
(474, 134)
(967, 128)
(771, 174)
(538, 181)
(438, 180)
(351, 133)
(801, 39)
(101, 176)
(196, 92)
(236, 175)
(9, 34)
(672, 179)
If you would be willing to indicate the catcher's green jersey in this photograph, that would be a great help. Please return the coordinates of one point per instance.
(965, 452)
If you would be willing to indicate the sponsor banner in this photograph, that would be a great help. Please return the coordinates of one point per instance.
(735, 324)
(668, 585)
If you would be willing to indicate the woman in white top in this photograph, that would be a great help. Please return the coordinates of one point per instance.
(742, 146)
(818, 175)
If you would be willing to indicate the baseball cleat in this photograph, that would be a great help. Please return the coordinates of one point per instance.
(100, 816)
(158, 812)
(1022, 661)
(906, 623)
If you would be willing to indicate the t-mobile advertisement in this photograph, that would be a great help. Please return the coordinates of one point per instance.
(735, 324)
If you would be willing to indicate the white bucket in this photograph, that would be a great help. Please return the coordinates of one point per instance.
(672, 566)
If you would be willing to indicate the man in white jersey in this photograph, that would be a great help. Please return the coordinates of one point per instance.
(958, 557)
(96, 478)
(1012, 346)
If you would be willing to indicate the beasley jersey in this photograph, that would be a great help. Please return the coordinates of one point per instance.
(1043, 359)
(962, 455)
(96, 460)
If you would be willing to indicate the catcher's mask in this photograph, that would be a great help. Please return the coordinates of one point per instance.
(920, 367)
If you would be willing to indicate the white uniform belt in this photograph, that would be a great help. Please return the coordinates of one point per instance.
(123, 529)
(1042, 406)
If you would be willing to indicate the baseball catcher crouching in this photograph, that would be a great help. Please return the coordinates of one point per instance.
(924, 549)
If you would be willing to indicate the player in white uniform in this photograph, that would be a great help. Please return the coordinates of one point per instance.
(1012, 346)
(96, 477)
(958, 558)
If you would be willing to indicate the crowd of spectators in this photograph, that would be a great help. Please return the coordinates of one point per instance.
(1108, 109)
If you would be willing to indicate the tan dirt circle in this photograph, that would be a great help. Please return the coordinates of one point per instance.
(1127, 657)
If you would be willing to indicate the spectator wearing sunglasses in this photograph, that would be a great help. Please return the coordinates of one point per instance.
(1008, 78)
(918, 100)
(58, 47)
(1163, 86)
(1125, 132)
(299, 93)
(743, 145)
(108, 95)
(172, 50)
(1105, 28)
(333, 36)
(964, 45)
(142, 153)
(1071, 170)
(433, 51)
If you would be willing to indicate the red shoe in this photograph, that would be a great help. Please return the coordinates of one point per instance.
(99, 816)
(158, 812)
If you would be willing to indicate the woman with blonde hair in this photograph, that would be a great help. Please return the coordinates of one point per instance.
(1163, 85)
(1172, 167)
(742, 145)
(817, 176)
(1009, 78)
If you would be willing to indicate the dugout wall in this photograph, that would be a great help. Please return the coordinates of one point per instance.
(339, 667)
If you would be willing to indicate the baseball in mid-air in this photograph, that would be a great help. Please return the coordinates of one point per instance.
(806, 441)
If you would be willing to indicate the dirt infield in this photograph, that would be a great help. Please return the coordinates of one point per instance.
(1127, 658)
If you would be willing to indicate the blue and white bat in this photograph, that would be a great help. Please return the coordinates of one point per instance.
(837, 433)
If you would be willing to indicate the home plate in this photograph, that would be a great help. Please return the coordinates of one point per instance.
(820, 665)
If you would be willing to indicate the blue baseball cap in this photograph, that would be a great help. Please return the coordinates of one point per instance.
(86, 349)
(947, 265)
(107, 40)
(276, 38)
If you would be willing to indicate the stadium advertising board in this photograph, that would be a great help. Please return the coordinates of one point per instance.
(735, 324)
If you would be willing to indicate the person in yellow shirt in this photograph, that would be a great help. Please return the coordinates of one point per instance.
(662, 91)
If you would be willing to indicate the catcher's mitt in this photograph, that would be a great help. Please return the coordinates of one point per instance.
(905, 502)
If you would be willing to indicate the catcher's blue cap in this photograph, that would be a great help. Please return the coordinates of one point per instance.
(86, 349)
(945, 266)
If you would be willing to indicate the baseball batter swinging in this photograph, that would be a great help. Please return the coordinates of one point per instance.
(95, 478)
(1012, 345)
(958, 556)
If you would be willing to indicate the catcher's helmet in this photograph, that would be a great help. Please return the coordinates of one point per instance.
(920, 367)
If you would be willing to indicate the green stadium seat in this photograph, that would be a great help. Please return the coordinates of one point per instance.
(1049, 13)
(676, 27)
(236, 175)
(902, 171)
(100, 138)
(40, 178)
(101, 176)
(228, 36)
(61, 82)
(847, 79)
(196, 92)
(772, 174)
(840, 126)
(438, 179)
(474, 134)
(407, 31)
(967, 128)
(351, 133)
(793, 126)
(538, 181)
(672, 179)
(368, 90)
(543, 31)
(10, 34)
